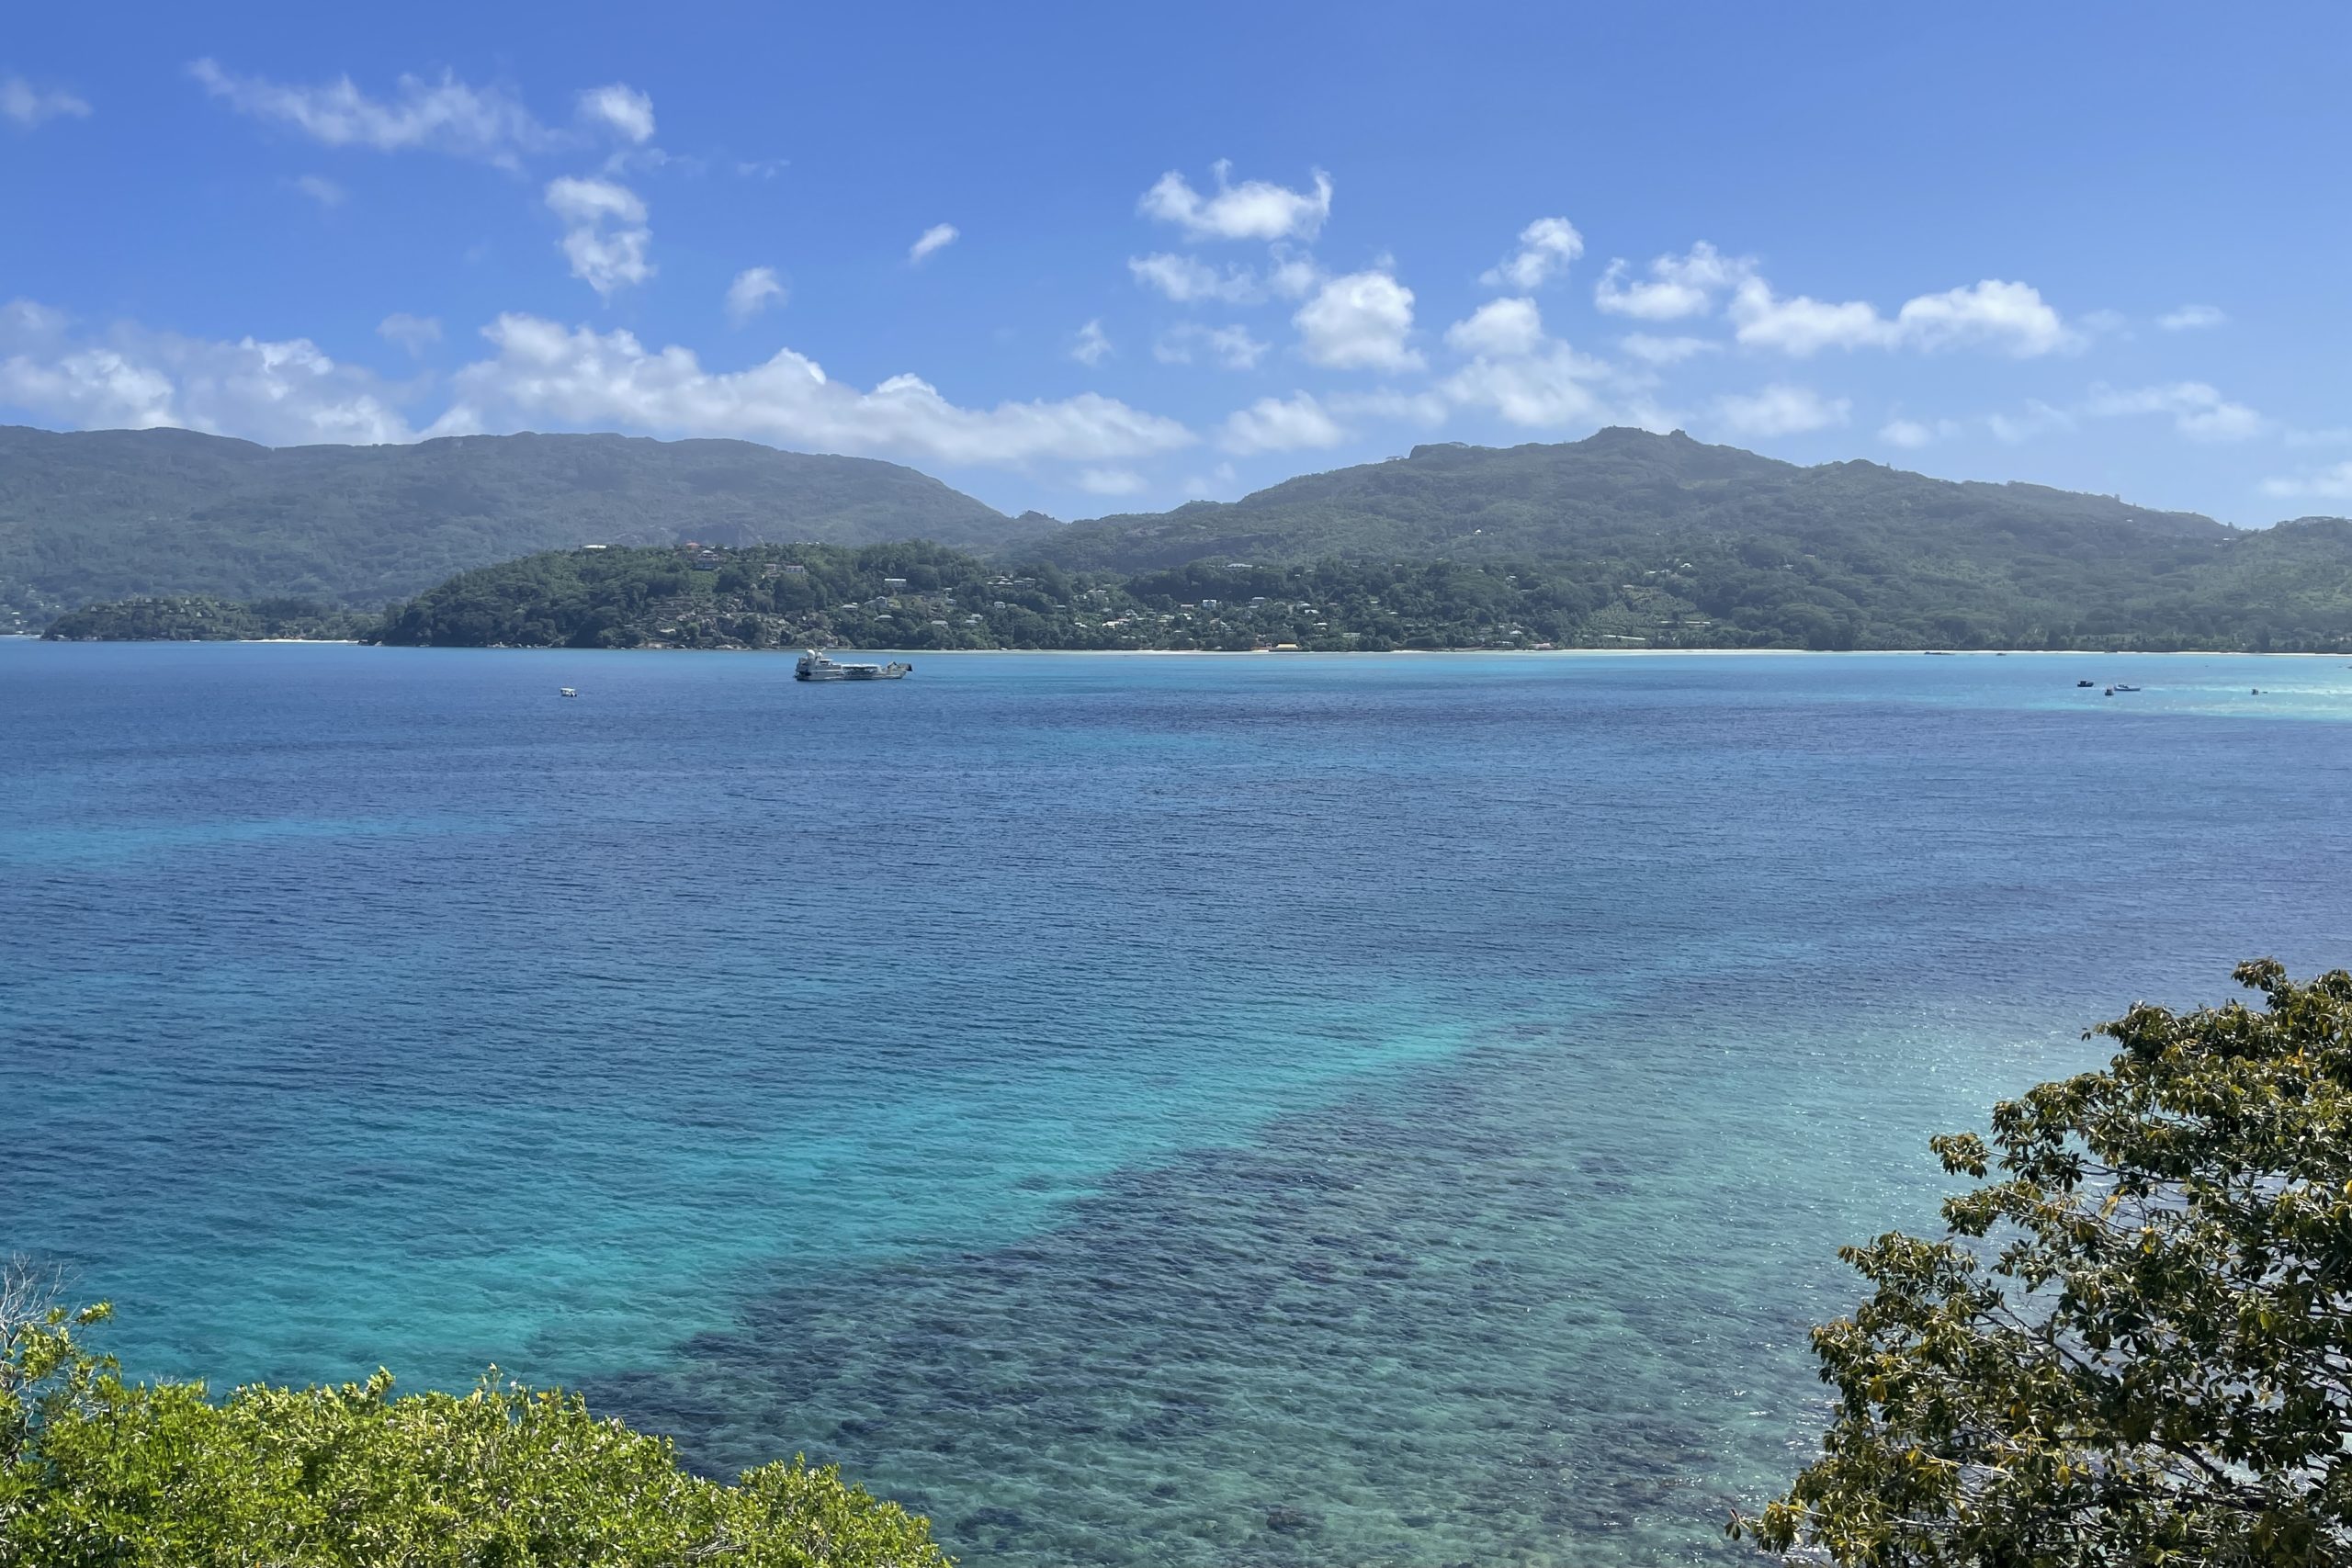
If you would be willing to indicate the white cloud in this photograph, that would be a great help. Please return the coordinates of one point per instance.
(1555, 387)
(580, 378)
(1545, 248)
(2333, 483)
(1110, 481)
(1188, 280)
(1498, 328)
(284, 393)
(1803, 326)
(541, 376)
(447, 116)
(1232, 347)
(1278, 425)
(754, 289)
(414, 333)
(2009, 316)
(1254, 210)
(1676, 286)
(606, 260)
(1093, 345)
(937, 237)
(28, 106)
(1665, 350)
(1913, 433)
(2012, 317)
(2196, 409)
(1359, 321)
(621, 109)
(321, 189)
(2189, 318)
(591, 201)
(1781, 410)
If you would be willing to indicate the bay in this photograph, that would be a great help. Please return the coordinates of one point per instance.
(1134, 1108)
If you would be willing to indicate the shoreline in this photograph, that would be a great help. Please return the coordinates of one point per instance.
(1254, 653)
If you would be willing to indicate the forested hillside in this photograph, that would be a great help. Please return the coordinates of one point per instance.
(1666, 539)
(116, 514)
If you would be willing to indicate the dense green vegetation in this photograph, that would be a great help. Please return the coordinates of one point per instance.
(197, 619)
(923, 596)
(1710, 545)
(97, 1472)
(113, 513)
(2135, 1347)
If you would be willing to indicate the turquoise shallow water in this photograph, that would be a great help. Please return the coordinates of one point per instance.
(1182, 1111)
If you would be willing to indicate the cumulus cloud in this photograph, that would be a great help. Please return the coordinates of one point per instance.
(1687, 285)
(2190, 318)
(2333, 483)
(1254, 210)
(606, 259)
(1498, 328)
(1550, 388)
(28, 105)
(1231, 347)
(939, 236)
(1281, 424)
(539, 375)
(284, 393)
(1188, 280)
(447, 116)
(1093, 345)
(414, 333)
(542, 372)
(621, 109)
(1110, 481)
(1545, 248)
(1359, 321)
(1779, 409)
(754, 289)
(2195, 409)
(2011, 317)
(1662, 351)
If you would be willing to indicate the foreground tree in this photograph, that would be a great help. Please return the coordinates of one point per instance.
(97, 1472)
(2130, 1348)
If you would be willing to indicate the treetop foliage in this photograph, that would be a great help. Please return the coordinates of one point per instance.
(97, 1472)
(2135, 1344)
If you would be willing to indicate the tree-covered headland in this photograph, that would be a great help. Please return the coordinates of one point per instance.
(923, 596)
(100, 1472)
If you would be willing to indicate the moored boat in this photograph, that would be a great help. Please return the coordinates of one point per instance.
(815, 666)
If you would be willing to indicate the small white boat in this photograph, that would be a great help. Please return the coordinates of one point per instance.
(815, 666)
(566, 692)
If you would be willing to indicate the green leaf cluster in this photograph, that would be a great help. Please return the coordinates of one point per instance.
(2135, 1344)
(97, 1472)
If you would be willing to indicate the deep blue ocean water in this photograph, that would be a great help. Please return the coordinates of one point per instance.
(1136, 1110)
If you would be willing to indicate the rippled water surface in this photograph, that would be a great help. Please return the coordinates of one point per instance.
(1169, 1110)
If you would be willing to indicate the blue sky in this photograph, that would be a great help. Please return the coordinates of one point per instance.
(1090, 259)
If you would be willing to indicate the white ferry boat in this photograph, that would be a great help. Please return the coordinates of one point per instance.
(815, 666)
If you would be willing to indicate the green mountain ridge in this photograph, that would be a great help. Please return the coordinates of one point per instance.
(113, 513)
(1626, 538)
